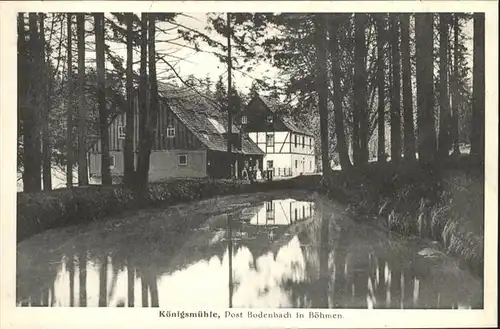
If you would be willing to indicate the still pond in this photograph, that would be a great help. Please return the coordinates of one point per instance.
(287, 249)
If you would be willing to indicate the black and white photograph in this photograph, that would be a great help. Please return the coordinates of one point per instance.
(237, 165)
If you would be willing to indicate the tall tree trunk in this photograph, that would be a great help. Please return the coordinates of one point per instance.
(129, 170)
(101, 98)
(478, 98)
(143, 159)
(144, 291)
(322, 88)
(396, 91)
(381, 40)
(345, 161)
(229, 97)
(31, 133)
(70, 264)
(103, 279)
(425, 87)
(444, 100)
(23, 93)
(69, 110)
(130, 284)
(454, 89)
(82, 271)
(44, 105)
(321, 300)
(21, 71)
(408, 132)
(39, 92)
(153, 86)
(83, 178)
(360, 84)
(153, 289)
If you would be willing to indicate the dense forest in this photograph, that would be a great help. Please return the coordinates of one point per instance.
(373, 87)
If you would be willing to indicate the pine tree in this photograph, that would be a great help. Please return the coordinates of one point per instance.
(424, 37)
(69, 109)
(101, 98)
(408, 131)
(31, 119)
(254, 89)
(322, 88)
(477, 134)
(220, 94)
(381, 41)
(143, 158)
(444, 105)
(129, 169)
(454, 90)
(44, 104)
(345, 162)
(83, 178)
(360, 85)
(395, 91)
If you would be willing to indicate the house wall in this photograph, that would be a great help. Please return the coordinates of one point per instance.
(284, 142)
(284, 152)
(95, 163)
(163, 164)
(282, 212)
(305, 144)
(302, 164)
(183, 138)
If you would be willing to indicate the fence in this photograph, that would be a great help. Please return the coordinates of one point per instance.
(282, 172)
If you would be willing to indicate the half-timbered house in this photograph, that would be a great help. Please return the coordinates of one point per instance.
(288, 146)
(190, 140)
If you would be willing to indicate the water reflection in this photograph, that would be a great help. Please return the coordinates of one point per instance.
(278, 253)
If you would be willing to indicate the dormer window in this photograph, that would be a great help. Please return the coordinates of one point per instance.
(244, 120)
(170, 132)
(269, 119)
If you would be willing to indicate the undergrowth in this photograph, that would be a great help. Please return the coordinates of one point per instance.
(437, 203)
(39, 211)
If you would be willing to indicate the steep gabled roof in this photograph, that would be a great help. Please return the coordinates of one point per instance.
(274, 105)
(271, 102)
(204, 118)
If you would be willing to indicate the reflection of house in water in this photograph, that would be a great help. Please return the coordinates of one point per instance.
(283, 212)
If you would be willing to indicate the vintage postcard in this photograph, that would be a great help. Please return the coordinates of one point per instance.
(249, 164)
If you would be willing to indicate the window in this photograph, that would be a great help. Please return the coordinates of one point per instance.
(303, 141)
(121, 132)
(269, 119)
(310, 142)
(244, 120)
(296, 164)
(183, 160)
(295, 140)
(111, 160)
(310, 165)
(269, 140)
(170, 132)
(269, 210)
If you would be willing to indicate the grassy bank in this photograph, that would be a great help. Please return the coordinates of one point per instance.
(39, 211)
(443, 204)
